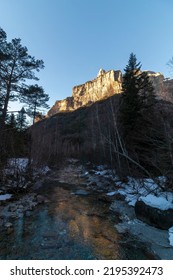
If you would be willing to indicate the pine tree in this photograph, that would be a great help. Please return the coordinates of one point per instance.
(137, 113)
(130, 100)
(138, 94)
(35, 98)
(21, 121)
(16, 66)
(12, 121)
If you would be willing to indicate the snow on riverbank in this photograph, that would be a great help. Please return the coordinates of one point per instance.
(16, 164)
(20, 165)
(16, 174)
(147, 190)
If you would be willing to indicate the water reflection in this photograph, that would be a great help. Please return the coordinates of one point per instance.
(68, 227)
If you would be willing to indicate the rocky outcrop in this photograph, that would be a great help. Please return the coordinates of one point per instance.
(159, 218)
(157, 80)
(62, 106)
(105, 85)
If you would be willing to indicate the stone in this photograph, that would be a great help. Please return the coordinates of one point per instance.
(50, 245)
(93, 183)
(40, 198)
(8, 225)
(121, 228)
(162, 219)
(105, 198)
(120, 196)
(28, 213)
(14, 215)
(21, 207)
(13, 208)
(10, 230)
(81, 192)
(37, 185)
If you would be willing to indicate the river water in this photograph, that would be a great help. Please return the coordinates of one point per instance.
(69, 227)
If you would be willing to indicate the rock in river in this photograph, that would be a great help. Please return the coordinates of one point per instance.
(159, 218)
(81, 192)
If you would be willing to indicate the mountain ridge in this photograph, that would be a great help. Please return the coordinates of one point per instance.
(106, 84)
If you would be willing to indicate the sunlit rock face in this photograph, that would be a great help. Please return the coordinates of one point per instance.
(62, 106)
(105, 85)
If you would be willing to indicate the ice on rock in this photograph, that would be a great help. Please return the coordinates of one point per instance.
(171, 236)
(157, 202)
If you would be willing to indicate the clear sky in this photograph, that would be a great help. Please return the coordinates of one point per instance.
(75, 38)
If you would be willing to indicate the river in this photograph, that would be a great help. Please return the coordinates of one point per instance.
(70, 226)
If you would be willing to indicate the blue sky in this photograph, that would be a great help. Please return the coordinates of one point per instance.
(75, 38)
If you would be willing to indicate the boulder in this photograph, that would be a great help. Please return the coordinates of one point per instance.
(37, 185)
(40, 199)
(159, 218)
(81, 192)
(92, 183)
(28, 213)
(13, 208)
(8, 225)
(9, 230)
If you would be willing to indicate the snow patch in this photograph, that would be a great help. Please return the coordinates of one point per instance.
(101, 167)
(101, 173)
(141, 189)
(5, 196)
(45, 170)
(157, 202)
(41, 171)
(16, 164)
(111, 193)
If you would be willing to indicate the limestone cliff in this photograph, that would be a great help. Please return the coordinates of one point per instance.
(105, 85)
(62, 106)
